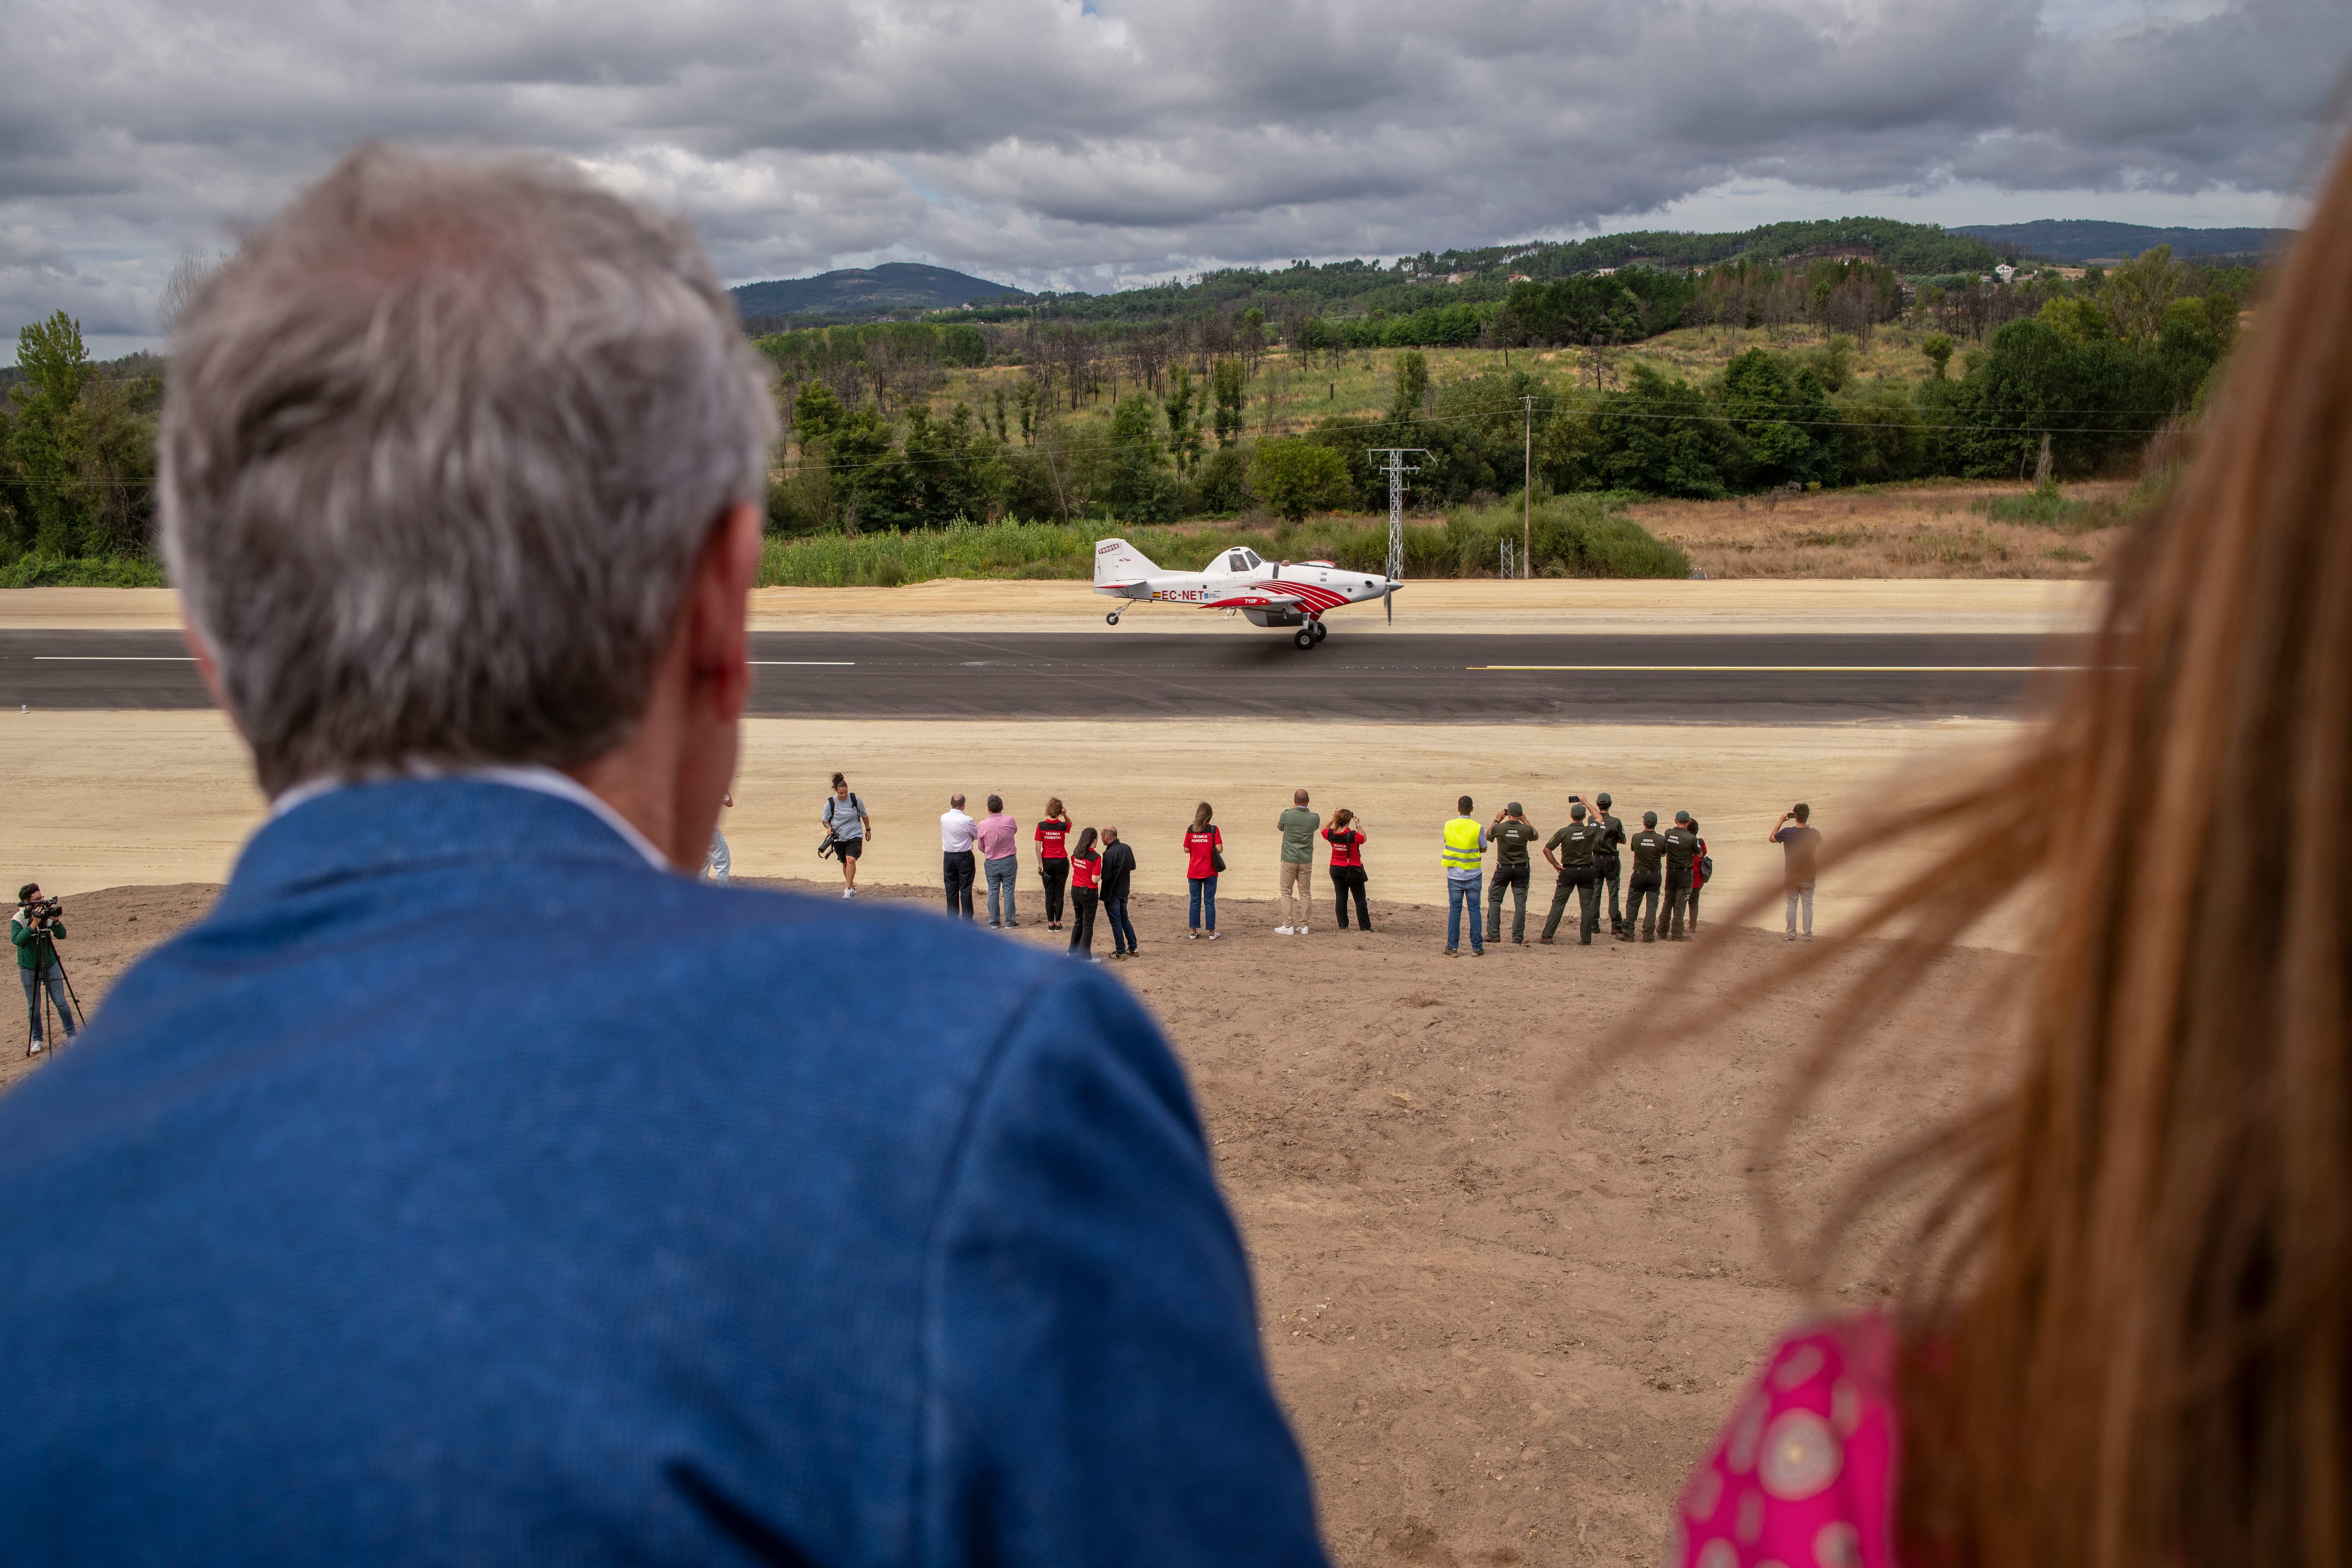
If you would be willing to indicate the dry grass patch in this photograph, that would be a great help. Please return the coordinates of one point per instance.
(1950, 529)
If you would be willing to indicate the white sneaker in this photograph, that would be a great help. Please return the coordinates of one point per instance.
(1302, 931)
(1282, 931)
(849, 893)
(1212, 935)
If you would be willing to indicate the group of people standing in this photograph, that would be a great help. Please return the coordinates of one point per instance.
(1082, 875)
(1086, 872)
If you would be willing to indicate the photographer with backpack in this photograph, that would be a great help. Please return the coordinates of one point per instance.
(846, 826)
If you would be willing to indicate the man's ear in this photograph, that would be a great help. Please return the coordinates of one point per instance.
(718, 617)
(206, 667)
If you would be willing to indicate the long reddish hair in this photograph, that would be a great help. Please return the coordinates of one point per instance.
(2136, 1344)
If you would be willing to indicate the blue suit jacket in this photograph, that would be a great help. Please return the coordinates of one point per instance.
(463, 1190)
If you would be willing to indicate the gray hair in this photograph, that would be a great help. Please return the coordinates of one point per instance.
(440, 447)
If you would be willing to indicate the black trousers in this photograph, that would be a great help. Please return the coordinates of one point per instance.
(1642, 906)
(957, 870)
(1587, 891)
(1345, 879)
(1055, 875)
(1694, 906)
(1082, 929)
(1678, 899)
(1610, 869)
(1517, 878)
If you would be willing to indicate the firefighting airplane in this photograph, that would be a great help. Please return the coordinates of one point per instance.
(1290, 594)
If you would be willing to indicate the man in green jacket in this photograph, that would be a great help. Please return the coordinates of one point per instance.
(1578, 845)
(1298, 827)
(34, 929)
(1512, 835)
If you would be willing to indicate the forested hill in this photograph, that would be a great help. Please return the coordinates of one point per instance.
(894, 287)
(2083, 239)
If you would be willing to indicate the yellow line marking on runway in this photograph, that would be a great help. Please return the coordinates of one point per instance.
(1798, 669)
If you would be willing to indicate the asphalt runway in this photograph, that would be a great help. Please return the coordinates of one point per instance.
(1729, 678)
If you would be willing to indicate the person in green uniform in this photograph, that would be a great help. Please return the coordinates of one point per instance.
(1682, 857)
(34, 929)
(1512, 835)
(1649, 847)
(1578, 847)
(1613, 839)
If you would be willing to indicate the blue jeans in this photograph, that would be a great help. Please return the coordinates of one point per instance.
(1204, 897)
(54, 979)
(1459, 896)
(1000, 877)
(1122, 929)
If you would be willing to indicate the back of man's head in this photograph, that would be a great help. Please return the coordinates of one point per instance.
(1681, 818)
(1601, 800)
(1576, 812)
(956, 803)
(1802, 813)
(995, 805)
(1299, 797)
(1648, 819)
(1463, 805)
(441, 447)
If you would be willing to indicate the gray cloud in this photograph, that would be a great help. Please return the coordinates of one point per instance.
(1057, 143)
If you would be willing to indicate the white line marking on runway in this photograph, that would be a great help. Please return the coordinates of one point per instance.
(114, 658)
(829, 663)
(1800, 669)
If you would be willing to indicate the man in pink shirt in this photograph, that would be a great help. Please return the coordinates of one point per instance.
(996, 835)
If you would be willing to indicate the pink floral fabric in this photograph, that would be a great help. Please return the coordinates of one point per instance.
(1804, 1474)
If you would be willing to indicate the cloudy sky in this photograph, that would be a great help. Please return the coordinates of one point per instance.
(1091, 143)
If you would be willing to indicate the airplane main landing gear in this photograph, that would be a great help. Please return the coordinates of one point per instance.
(1111, 618)
(1304, 639)
(1320, 629)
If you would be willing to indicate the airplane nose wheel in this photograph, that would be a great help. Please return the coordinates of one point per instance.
(1305, 639)
(1111, 618)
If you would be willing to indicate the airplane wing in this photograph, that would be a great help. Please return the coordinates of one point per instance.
(1277, 592)
(1125, 589)
(1250, 598)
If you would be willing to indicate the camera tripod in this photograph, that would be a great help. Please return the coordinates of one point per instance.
(40, 1013)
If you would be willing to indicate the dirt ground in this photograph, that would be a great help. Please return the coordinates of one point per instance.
(1506, 1303)
(146, 798)
(1937, 531)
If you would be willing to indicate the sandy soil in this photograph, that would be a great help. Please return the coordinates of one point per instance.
(1505, 1319)
(1929, 532)
(131, 797)
(1917, 604)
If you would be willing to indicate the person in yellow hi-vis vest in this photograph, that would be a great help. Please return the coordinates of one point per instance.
(1465, 850)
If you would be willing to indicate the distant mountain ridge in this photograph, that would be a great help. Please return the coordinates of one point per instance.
(2091, 239)
(894, 286)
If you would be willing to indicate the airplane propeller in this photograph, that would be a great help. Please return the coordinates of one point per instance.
(1388, 599)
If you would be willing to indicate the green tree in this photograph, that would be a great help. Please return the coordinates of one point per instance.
(1228, 387)
(818, 413)
(1412, 387)
(1295, 477)
(1137, 486)
(1776, 413)
(2141, 292)
(41, 453)
(1656, 435)
(1184, 410)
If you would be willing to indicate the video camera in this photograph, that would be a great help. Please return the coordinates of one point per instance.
(44, 909)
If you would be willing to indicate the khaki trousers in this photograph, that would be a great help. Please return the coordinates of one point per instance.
(1294, 875)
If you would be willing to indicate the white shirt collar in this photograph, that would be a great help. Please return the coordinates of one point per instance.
(533, 776)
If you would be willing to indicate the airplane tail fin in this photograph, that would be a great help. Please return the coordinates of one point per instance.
(1115, 560)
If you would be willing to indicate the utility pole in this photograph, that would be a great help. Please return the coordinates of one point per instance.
(1527, 497)
(1397, 470)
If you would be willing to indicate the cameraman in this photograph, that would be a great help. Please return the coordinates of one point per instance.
(34, 929)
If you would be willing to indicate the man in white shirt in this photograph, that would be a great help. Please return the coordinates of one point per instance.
(957, 867)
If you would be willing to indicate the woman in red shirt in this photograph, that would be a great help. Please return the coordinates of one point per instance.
(1053, 837)
(1699, 874)
(1346, 837)
(1202, 844)
(1086, 891)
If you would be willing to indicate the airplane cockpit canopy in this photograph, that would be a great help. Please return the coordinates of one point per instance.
(1243, 560)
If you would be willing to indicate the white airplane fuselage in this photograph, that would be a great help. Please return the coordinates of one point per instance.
(1267, 593)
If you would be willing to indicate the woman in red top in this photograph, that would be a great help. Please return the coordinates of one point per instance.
(1698, 876)
(1052, 836)
(1346, 837)
(1086, 891)
(1202, 844)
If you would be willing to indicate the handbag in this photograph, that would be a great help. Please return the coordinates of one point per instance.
(1217, 859)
